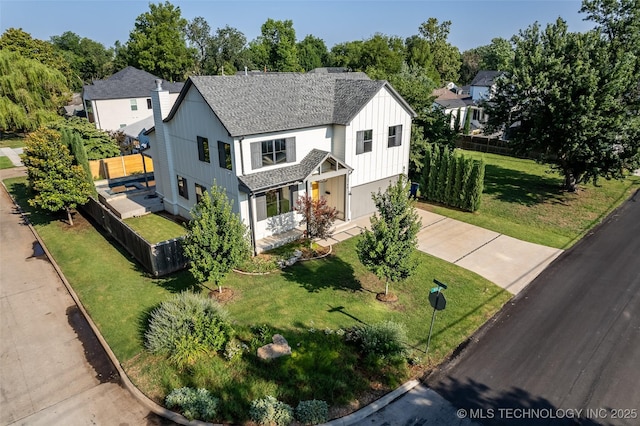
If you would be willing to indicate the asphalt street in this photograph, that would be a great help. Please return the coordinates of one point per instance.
(566, 350)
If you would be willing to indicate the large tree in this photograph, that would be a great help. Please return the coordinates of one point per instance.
(227, 51)
(157, 43)
(446, 57)
(564, 102)
(312, 53)
(198, 33)
(31, 93)
(217, 238)
(276, 49)
(497, 56)
(388, 248)
(88, 59)
(97, 143)
(57, 183)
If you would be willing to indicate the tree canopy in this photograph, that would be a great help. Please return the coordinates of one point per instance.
(276, 47)
(31, 93)
(88, 59)
(312, 53)
(157, 44)
(564, 102)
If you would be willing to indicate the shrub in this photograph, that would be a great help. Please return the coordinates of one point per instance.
(385, 339)
(187, 325)
(195, 404)
(312, 412)
(268, 410)
(234, 349)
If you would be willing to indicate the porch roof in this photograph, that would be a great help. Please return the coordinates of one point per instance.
(262, 181)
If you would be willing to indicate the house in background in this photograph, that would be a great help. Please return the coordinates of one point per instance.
(270, 138)
(483, 86)
(134, 134)
(123, 98)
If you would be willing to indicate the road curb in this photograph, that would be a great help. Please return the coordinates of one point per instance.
(124, 379)
(374, 406)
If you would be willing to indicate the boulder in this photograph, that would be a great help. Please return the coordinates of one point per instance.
(278, 348)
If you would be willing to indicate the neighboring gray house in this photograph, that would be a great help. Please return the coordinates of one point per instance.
(483, 85)
(270, 138)
(123, 98)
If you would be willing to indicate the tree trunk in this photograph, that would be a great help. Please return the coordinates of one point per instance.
(570, 181)
(386, 288)
(219, 288)
(69, 216)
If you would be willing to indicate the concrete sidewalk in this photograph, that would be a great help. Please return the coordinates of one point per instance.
(13, 154)
(508, 262)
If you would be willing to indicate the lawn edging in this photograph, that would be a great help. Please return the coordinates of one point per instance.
(124, 379)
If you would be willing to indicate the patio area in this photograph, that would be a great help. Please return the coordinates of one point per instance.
(130, 196)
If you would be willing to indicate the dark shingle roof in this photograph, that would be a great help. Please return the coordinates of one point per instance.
(262, 181)
(485, 78)
(248, 105)
(129, 82)
(454, 103)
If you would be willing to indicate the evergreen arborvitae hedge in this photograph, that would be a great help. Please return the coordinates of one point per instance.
(451, 179)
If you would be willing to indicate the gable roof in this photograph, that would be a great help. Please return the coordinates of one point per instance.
(262, 181)
(255, 104)
(485, 78)
(129, 82)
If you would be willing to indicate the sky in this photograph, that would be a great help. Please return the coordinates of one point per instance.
(474, 23)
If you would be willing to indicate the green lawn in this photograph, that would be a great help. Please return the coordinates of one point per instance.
(12, 142)
(523, 199)
(5, 163)
(307, 303)
(156, 228)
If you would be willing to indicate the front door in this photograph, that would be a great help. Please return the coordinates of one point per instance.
(315, 191)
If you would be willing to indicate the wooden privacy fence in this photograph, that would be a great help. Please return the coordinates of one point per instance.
(125, 165)
(484, 144)
(158, 259)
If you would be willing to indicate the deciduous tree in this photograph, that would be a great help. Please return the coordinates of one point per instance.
(88, 59)
(567, 96)
(388, 248)
(317, 215)
(278, 40)
(446, 57)
(312, 53)
(217, 238)
(57, 183)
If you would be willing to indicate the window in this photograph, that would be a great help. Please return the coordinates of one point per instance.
(224, 155)
(134, 104)
(276, 202)
(269, 153)
(364, 141)
(200, 190)
(149, 106)
(182, 187)
(203, 149)
(395, 136)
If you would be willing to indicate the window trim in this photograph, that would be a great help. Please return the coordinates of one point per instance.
(183, 187)
(149, 104)
(362, 141)
(262, 211)
(395, 139)
(204, 150)
(133, 104)
(202, 188)
(257, 154)
(225, 160)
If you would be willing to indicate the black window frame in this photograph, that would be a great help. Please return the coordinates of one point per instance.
(364, 140)
(204, 151)
(202, 189)
(395, 139)
(224, 155)
(149, 104)
(183, 187)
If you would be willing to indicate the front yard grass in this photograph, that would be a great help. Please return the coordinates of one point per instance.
(309, 303)
(12, 142)
(522, 199)
(5, 162)
(156, 228)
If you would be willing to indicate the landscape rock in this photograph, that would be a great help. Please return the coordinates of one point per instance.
(279, 347)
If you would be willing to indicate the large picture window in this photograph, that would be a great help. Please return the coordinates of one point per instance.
(183, 190)
(203, 149)
(276, 202)
(224, 155)
(272, 152)
(364, 141)
(395, 136)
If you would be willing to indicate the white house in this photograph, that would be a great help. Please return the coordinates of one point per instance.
(270, 138)
(483, 85)
(122, 99)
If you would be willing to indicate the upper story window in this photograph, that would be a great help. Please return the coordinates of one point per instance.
(149, 106)
(224, 155)
(183, 190)
(134, 104)
(200, 190)
(364, 141)
(276, 151)
(395, 136)
(203, 149)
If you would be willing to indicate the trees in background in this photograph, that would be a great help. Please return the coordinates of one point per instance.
(56, 182)
(566, 97)
(312, 53)
(157, 43)
(31, 93)
(276, 49)
(97, 143)
(88, 59)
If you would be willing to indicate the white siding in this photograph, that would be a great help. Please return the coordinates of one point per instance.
(110, 114)
(338, 148)
(380, 113)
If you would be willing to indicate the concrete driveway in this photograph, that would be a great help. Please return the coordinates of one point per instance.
(53, 371)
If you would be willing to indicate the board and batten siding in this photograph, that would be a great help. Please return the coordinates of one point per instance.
(378, 115)
(194, 118)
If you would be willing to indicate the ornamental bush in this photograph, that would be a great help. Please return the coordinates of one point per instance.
(312, 412)
(195, 403)
(187, 325)
(268, 411)
(385, 339)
